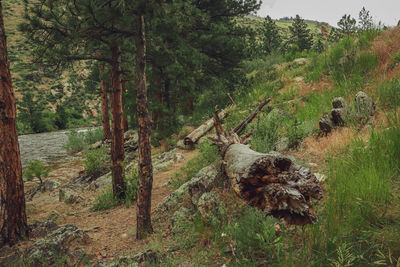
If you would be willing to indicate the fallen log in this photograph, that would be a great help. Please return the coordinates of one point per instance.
(272, 182)
(195, 136)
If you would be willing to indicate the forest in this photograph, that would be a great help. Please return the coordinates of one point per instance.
(196, 133)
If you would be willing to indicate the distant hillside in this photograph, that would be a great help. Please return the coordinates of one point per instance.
(256, 22)
(50, 88)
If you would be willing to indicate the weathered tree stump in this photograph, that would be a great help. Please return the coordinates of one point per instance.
(272, 183)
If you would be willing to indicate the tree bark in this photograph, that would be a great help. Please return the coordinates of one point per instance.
(117, 145)
(144, 225)
(104, 106)
(124, 117)
(13, 222)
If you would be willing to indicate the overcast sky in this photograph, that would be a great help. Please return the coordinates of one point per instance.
(387, 11)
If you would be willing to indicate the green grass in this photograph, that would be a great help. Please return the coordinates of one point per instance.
(105, 200)
(389, 94)
(357, 217)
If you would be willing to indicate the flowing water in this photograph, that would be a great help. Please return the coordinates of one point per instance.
(46, 147)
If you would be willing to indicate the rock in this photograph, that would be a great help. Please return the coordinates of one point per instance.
(181, 215)
(339, 102)
(207, 206)
(325, 125)
(41, 229)
(202, 182)
(167, 159)
(299, 79)
(365, 106)
(50, 185)
(282, 144)
(55, 246)
(300, 62)
(69, 196)
(148, 257)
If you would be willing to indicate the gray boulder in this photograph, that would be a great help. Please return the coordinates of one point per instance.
(69, 195)
(203, 181)
(365, 106)
(56, 247)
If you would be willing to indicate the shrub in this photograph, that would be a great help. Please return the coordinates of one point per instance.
(75, 143)
(255, 238)
(267, 132)
(95, 161)
(106, 200)
(78, 141)
(93, 136)
(36, 169)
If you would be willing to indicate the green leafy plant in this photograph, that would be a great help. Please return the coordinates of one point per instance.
(36, 169)
(95, 161)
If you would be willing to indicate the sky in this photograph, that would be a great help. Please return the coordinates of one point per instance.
(387, 11)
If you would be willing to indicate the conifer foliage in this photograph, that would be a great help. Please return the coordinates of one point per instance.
(300, 34)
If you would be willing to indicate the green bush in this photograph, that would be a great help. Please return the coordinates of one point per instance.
(106, 200)
(95, 161)
(78, 141)
(389, 94)
(266, 132)
(36, 169)
(254, 237)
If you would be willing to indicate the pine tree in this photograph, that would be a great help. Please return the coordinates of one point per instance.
(347, 25)
(62, 32)
(13, 222)
(300, 35)
(270, 35)
(365, 20)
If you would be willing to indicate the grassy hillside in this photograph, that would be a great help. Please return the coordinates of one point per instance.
(360, 163)
(257, 23)
(50, 89)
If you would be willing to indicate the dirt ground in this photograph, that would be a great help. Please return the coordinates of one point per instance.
(112, 232)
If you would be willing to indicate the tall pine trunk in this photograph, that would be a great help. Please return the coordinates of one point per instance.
(104, 106)
(117, 145)
(144, 225)
(125, 124)
(13, 222)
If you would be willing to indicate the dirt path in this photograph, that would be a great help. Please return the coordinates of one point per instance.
(112, 232)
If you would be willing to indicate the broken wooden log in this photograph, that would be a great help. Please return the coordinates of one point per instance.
(272, 183)
(195, 136)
